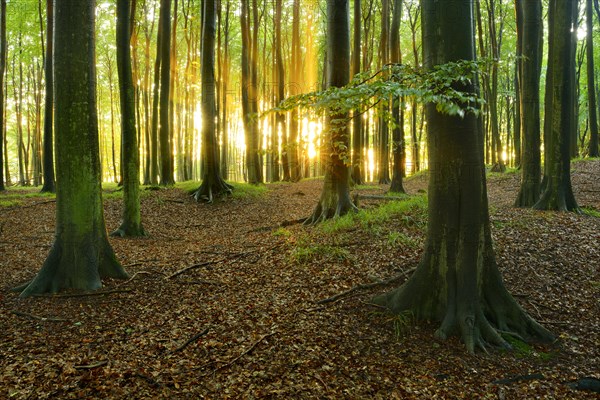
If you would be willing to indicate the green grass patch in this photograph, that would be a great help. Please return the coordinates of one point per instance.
(310, 253)
(282, 232)
(400, 239)
(592, 212)
(6, 203)
(240, 190)
(412, 211)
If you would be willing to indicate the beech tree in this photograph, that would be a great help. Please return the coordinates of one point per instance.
(530, 26)
(397, 106)
(591, 83)
(212, 183)
(335, 196)
(81, 254)
(2, 69)
(48, 153)
(457, 281)
(560, 97)
(132, 224)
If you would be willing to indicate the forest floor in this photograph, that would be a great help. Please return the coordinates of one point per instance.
(244, 321)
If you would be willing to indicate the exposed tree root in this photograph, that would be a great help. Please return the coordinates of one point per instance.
(327, 209)
(128, 230)
(211, 188)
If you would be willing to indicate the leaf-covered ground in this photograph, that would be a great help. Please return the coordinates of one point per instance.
(245, 320)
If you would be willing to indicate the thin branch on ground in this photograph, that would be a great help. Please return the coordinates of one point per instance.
(37, 317)
(87, 294)
(191, 340)
(246, 351)
(366, 286)
(141, 273)
(91, 366)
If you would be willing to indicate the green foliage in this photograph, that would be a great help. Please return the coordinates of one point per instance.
(240, 190)
(396, 239)
(412, 211)
(442, 86)
(311, 252)
(7, 203)
(592, 212)
(282, 232)
(401, 323)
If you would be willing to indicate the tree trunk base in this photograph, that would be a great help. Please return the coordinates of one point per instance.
(327, 210)
(129, 230)
(480, 323)
(211, 188)
(397, 186)
(81, 269)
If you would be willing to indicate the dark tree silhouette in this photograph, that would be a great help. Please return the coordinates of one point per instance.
(212, 183)
(48, 153)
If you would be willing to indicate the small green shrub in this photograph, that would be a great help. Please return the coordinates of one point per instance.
(307, 254)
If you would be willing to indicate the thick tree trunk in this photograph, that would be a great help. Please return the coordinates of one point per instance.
(295, 137)
(132, 221)
(155, 105)
(212, 183)
(81, 254)
(335, 196)
(457, 282)
(383, 165)
(558, 192)
(530, 71)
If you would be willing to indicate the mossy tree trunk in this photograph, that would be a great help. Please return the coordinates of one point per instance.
(457, 281)
(335, 198)
(531, 37)
(212, 183)
(48, 153)
(2, 69)
(81, 255)
(132, 220)
(560, 86)
(384, 130)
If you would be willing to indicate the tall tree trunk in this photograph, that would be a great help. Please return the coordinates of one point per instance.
(531, 35)
(335, 196)
(281, 118)
(295, 135)
(558, 192)
(224, 84)
(592, 119)
(2, 102)
(357, 114)
(132, 221)
(81, 255)
(155, 107)
(48, 153)
(165, 134)
(212, 183)
(457, 282)
(384, 133)
(397, 106)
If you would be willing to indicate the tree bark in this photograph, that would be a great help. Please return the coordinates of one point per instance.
(397, 106)
(557, 190)
(591, 84)
(335, 198)
(357, 114)
(132, 221)
(81, 254)
(2, 70)
(529, 87)
(166, 152)
(48, 154)
(457, 281)
(384, 132)
(212, 183)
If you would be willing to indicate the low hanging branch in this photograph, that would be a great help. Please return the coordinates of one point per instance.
(366, 286)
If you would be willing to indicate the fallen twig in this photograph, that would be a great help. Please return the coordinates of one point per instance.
(293, 222)
(38, 203)
(141, 273)
(365, 286)
(246, 351)
(174, 201)
(212, 262)
(191, 340)
(91, 366)
(99, 293)
(37, 317)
